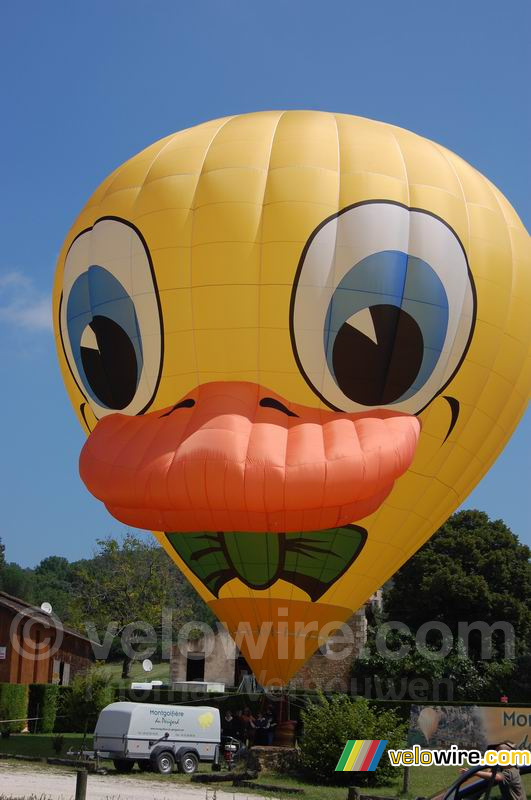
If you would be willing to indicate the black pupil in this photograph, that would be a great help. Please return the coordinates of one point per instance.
(378, 373)
(111, 370)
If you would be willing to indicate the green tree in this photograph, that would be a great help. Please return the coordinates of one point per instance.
(418, 673)
(330, 723)
(473, 568)
(52, 581)
(82, 701)
(2, 556)
(17, 581)
(127, 582)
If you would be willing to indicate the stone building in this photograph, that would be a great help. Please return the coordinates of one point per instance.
(215, 658)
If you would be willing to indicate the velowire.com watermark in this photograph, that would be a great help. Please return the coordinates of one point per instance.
(418, 756)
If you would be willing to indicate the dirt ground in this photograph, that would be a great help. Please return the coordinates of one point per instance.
(25, 780)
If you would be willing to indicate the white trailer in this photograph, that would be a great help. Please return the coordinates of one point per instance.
(158, 737)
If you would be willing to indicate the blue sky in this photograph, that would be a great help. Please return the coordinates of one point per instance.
(85, 86)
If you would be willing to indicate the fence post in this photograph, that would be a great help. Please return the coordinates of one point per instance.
(81, 784)
(405, 784)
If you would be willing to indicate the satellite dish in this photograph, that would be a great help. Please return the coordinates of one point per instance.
(147, 665)
(46, 607)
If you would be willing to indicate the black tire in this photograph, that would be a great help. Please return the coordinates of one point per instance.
(123, 765)
(164, 762)
(145, 765)
(188, 763)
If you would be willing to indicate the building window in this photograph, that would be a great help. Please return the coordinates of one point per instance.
(61, 672)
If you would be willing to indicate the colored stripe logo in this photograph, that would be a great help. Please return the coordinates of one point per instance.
(361, 755)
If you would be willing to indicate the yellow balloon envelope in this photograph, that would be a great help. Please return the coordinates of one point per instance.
(297, 340)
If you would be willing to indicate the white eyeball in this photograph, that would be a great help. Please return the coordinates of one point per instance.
(383, 308)
(110, 318)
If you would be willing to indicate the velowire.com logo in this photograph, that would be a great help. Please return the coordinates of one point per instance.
(361, 755)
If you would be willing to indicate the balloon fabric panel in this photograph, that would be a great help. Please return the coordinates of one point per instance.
(296, 341)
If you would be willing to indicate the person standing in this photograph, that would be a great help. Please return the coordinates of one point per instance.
(260, 726)
(508, 779)
(271, 718)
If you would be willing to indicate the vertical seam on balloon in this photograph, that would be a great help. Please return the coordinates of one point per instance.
(493, 193)
(461, 189)
(174, 456)
(227, 586)
(324, 361)
(259, 328)
(442, 152)
(117, 453)
(171, 138)
(139, 187)
(325, 367)
(404, 164)
(260, 261)
(142, 375)
(192, 227)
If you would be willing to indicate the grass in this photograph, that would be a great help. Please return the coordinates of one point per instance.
(424, 781)
(40, 744)
(160, 672)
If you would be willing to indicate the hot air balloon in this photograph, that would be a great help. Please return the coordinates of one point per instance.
(428, 722)
(296, 341)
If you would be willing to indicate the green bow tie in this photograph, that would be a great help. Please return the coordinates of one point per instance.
(311, 560)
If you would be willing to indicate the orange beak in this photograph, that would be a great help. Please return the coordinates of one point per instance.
(234, 456)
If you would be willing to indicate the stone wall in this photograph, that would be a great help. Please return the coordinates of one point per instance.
(219, 651)
(330, 668)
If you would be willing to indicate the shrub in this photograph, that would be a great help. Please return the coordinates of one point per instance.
(330, 723)
(13, 706)
(86, 696)
(62, 720)
(43, 698)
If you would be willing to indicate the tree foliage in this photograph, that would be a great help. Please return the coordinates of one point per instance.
(127, 581)
(128, 586)
(473, 568)
(330, 723)
(81, 702)
(13, 708)
(420, 674)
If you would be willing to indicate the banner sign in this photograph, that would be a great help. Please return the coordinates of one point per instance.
(469, 727)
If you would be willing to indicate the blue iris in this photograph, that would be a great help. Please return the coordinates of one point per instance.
(97, 295)
(411, 285)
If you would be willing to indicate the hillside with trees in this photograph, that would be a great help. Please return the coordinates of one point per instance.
(466, 592)
(126, 581)
(473, 570)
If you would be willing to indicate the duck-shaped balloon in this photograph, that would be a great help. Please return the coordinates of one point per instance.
(297, 340)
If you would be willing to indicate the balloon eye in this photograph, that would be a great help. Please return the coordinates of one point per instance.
(105, 338)
(377, 371)
(382, 309)
(111, 326)
(109, 362)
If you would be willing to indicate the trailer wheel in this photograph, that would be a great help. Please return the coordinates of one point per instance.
(188, 763)
(123, 765)
(165, 762)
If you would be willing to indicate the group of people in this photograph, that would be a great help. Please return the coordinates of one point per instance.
(250, 729)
